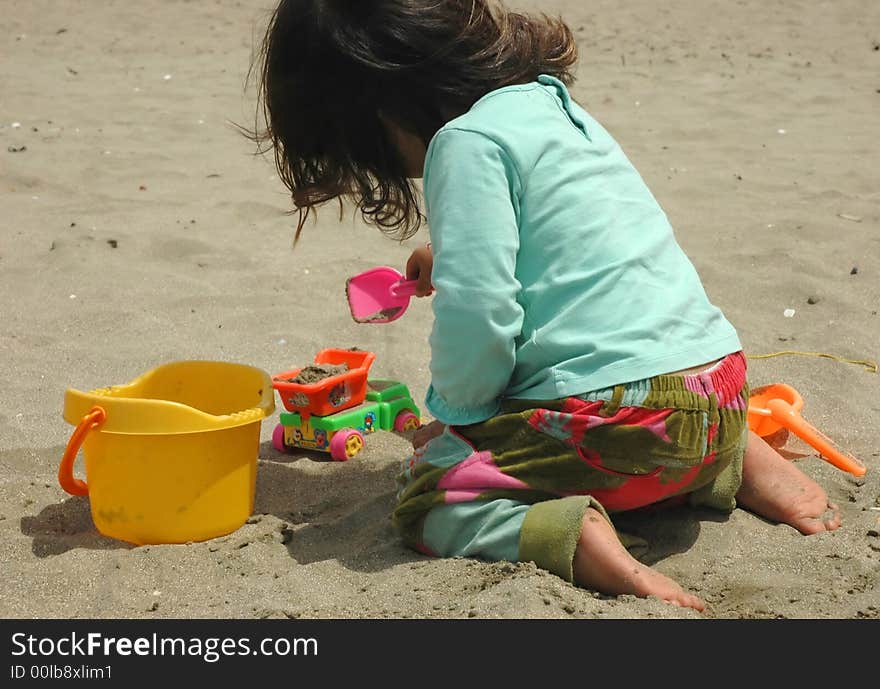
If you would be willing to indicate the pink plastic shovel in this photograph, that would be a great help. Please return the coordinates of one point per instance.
(378, 295)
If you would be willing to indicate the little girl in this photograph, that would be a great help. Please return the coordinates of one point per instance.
(577, 366)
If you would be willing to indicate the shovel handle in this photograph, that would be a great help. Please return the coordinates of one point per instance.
(785, 414)
(404, 288)
(91, 421)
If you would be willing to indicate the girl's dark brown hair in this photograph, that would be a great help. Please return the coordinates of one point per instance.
(330, 70)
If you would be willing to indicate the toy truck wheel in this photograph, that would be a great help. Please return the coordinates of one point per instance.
(278, 438)
(406, 421)
(345, 444)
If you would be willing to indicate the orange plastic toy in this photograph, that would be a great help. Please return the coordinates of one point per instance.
(331, 394)
(776, 406)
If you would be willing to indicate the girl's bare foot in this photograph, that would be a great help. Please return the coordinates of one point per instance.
(601, 563)
(774, 488)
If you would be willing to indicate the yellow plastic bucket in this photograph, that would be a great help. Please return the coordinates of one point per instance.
(170, 457)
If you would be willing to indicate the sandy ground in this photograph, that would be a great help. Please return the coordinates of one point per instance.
(138, 228)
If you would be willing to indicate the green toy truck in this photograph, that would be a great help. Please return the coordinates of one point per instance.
(335, 412)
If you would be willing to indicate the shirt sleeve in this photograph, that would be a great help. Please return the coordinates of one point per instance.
(471, 196)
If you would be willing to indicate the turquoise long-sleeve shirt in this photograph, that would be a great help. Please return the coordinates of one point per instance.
(555, 270)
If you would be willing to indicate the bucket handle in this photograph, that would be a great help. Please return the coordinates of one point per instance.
(91, 421)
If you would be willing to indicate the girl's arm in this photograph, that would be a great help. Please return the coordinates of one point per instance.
(471, 192)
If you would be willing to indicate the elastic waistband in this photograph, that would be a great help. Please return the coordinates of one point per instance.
(726, 379)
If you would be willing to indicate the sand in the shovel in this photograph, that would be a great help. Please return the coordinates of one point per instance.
(380, 316)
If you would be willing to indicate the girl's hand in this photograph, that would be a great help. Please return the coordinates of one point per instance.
(418, 267)
(426, 433)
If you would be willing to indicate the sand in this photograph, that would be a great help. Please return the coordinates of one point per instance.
(314, 373)
(139, 228)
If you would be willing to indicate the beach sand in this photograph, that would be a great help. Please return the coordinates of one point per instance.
(139, 228)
